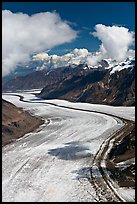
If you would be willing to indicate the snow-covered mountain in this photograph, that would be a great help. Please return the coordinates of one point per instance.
(107, 82)
(44, 61)
(102, 86)
(80, 56)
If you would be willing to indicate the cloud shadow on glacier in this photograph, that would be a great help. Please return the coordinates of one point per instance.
(71, 151)
(90, 173)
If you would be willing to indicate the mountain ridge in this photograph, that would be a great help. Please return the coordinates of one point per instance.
(108, 83)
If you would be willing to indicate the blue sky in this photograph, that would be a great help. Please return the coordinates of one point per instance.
(84, 16)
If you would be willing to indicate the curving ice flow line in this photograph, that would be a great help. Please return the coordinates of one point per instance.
(99, 160)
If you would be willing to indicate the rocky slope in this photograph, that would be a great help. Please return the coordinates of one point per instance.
(95, 87)
(108, 83)
(16, 122)
(122, 158)
(36, 79)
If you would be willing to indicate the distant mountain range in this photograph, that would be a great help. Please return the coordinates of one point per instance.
(108, 82)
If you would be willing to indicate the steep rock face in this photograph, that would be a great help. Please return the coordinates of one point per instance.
(116, 89)
(123, 151)
(97, 86)
(73, 85)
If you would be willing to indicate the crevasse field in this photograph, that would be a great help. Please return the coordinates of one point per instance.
(52, 164)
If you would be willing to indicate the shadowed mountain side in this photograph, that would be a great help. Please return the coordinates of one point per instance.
(97, 86)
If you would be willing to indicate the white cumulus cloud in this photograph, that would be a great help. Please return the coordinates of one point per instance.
(80, 52)
(75, 57)
(23, 34)
(115, 40)
(94, 59)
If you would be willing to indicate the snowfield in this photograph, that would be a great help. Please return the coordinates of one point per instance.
(52, 164)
